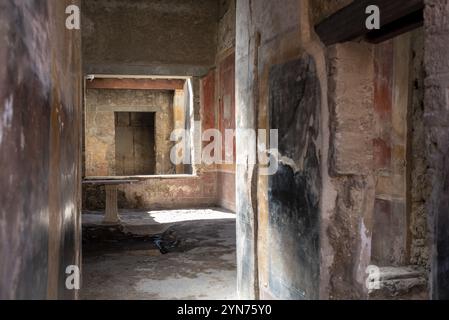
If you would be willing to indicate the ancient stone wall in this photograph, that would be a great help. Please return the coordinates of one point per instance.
(349, 228)
(172, 37)
(346, 138)
(419, 181)
(268, 45)
(195, 187)
(154, 193)
(200, 35)
(100, 127)
(436, 115)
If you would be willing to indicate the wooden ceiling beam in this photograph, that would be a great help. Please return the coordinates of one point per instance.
(135, 84)
(350, 22)
(400, 26)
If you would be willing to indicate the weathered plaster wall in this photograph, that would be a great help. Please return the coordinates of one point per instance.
(391, 103)
(219, 97)
(294, 191)
(436, 115)
(373, 95)
(40, 122)
(157, 192)
(419, 183)
(100, 126)
(320, 206)
(181, 118)
(400, 157)
(271, 35)
(348, 230)
(226, 190)
(269, 41)
(172, 37)
(226, 121)
(168, 192)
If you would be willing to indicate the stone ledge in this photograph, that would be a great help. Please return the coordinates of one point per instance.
(143, 178)
(400, 283)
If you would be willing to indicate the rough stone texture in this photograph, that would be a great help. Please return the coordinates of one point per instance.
(369, 90)
(226, 26)
(419, 183)
(402, 283)
(350, 93)
(436, 115)
(360, 139)
(389, 233)
(351, 101)
(351, 222)
(168, 192)
(100, 126)
(40, 151)
(173, 37)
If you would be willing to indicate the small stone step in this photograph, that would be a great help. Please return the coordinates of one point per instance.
(399, 283)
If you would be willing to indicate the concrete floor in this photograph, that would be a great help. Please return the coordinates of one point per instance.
(202, 265)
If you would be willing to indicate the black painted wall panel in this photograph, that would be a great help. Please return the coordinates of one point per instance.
(294, 193)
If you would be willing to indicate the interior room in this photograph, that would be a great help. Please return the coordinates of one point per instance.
(224, 149)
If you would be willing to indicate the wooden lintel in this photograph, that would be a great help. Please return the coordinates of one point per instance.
(350, 22)
(400, 26)
(136, 84)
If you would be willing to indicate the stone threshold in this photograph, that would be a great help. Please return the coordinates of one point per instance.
(405, 282)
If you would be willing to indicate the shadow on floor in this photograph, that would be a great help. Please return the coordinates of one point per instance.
(123, 264)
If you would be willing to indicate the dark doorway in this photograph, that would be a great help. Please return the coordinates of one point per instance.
(134, 143)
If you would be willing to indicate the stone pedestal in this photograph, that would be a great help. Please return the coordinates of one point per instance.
(111, 214)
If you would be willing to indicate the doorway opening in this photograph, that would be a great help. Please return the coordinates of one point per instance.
(134, 143)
